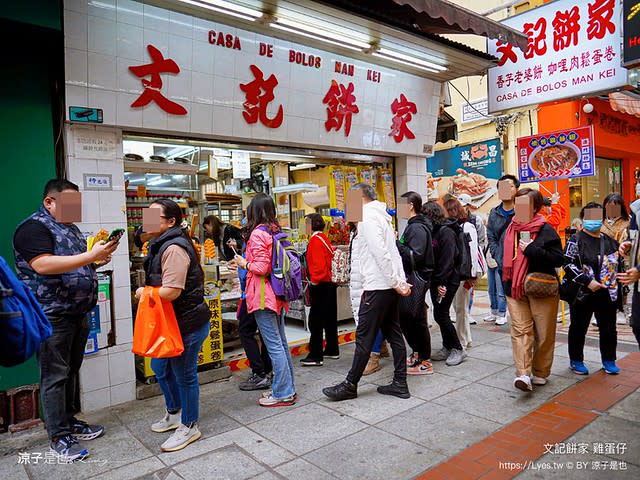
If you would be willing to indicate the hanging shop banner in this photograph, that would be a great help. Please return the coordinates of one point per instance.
(471, 169)
(631, 33)
(212, 347)
(573, 50)
(551, 156)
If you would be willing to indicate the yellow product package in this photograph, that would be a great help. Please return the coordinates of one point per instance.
(336, 188)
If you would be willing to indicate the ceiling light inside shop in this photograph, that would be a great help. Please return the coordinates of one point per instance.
(227, 8)
(303, 166)
(159, 181)
(272, 154)
(296, 188)
(318, 33)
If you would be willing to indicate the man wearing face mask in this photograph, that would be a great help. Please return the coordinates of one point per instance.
(52, 259)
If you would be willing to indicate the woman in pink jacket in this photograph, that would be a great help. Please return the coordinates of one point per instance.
(268, 309)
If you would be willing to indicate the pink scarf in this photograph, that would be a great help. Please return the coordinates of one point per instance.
(515, 265)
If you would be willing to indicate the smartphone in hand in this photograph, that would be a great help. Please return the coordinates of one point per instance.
(116, 235)
(526, 236)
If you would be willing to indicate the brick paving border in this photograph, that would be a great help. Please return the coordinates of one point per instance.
(553, 422)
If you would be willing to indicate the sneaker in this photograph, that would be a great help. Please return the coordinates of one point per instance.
(373, 365)
(538, 380)
(472, 320)
(440, 355)
(412, 359)
(335, 356)
(395, 388)
(384, 350)
(343, 391)
(83, 431)
(168, 422)
(455, 357)
(182, 437)
(501, 320)
(489, 318)
(271, 401)
(469, 345)
(310, 362)
(270, 394)
(523, 382)
(67, 449)
(255, 382)
(423, 367)
(578, 367)
(594, 321)
(610, 367)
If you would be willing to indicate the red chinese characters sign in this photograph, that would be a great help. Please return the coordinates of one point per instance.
(402, 110)
(259, 93)
(573, 49)
(153, 86)
(341, 106)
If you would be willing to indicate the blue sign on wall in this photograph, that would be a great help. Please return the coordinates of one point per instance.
(484, 158)
(85, 114)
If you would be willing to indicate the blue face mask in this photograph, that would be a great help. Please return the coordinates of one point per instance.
(592, 225)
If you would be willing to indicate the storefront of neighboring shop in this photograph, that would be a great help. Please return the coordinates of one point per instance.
(574, 52)
(201, 110)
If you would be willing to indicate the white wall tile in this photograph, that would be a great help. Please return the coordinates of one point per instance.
(122, 302)
(121, 367)
(227, 93)
(111, 205)
(90, 206)
(160, 40)
(94, 374)
(130, 43)
(156, 18)
(75, 66)
(76, 5)
(75, 30)
(125, 392)
(181, 51)
(202, 58)
(202, 88)
(223, 120)
(130, 12)
(180, 123)
(178, 87)
(102, 36)
(103, 8)
(126, 115)
(201, 118)
(127, 81)
(154, 117)
(105, 100)
(181, 24)
(124, 330)
(102, 71)
(96, 400)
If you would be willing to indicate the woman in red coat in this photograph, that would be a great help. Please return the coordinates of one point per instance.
(324, 304)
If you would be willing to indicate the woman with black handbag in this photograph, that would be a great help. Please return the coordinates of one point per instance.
(416, 250)
(592, 263)
(532, 252)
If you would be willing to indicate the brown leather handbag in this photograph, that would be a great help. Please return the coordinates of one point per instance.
(540, 285)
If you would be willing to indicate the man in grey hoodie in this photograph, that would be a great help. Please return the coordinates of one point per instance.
(376, 259)
(632, 275)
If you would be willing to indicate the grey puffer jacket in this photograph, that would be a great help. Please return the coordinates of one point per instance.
(496, 229)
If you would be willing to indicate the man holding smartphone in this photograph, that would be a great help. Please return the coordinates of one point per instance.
(52, 259)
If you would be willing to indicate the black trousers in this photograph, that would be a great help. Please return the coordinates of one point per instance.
(415, 328)
(323, 316)
(259, 360)
(60, 358)
(442, 317)
(378, 310)
(635, 313)
(600, 305)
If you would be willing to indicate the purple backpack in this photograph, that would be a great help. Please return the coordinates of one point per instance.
(286, 268)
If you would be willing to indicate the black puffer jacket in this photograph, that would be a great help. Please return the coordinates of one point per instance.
(417, 239)
(445, 250)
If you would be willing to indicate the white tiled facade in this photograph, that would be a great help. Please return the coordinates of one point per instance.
(104, 38)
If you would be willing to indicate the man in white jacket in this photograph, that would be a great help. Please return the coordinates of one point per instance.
(376, 260)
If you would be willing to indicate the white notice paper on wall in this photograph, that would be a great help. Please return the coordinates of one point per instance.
(241, 165)
(94, 145)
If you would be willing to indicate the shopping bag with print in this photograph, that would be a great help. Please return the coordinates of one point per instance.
(156, 333)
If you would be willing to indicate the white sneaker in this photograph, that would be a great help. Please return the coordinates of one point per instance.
(169, 422)
(489, 318)
(523, 382)
(501, 320)
(182, 437)
(594, 321)
(472, 321)
(538, 380)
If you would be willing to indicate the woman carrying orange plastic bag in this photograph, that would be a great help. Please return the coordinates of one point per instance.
(173, 268)
(156, 332)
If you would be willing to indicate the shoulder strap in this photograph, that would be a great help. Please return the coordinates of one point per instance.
(325, 244)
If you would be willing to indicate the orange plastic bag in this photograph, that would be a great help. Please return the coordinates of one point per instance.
(156, 333)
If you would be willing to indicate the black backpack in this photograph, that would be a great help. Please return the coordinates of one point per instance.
(463, 254)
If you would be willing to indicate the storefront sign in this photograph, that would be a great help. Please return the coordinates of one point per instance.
(473, 111)
(85, 114)
(631, 34)
(241, 165)
(213, 79)
(94, 145)
(212, 347)
(470, 169)
(551, 156)
(94, 181)
(573, 50)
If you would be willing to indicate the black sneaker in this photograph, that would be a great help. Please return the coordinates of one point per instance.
(310, 362)
(67, 449)
(255, 382)
(395, 388)
(342, 391)
(333, 356)
(83, 431)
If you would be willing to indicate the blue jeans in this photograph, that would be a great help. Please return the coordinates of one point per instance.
(272, 329)
(496, 293)
(178, 376)
(377, 344)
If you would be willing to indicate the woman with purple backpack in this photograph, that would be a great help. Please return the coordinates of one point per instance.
(267, 308)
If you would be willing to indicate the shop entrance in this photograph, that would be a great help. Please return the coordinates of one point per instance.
(220, 179)
(608, 179)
